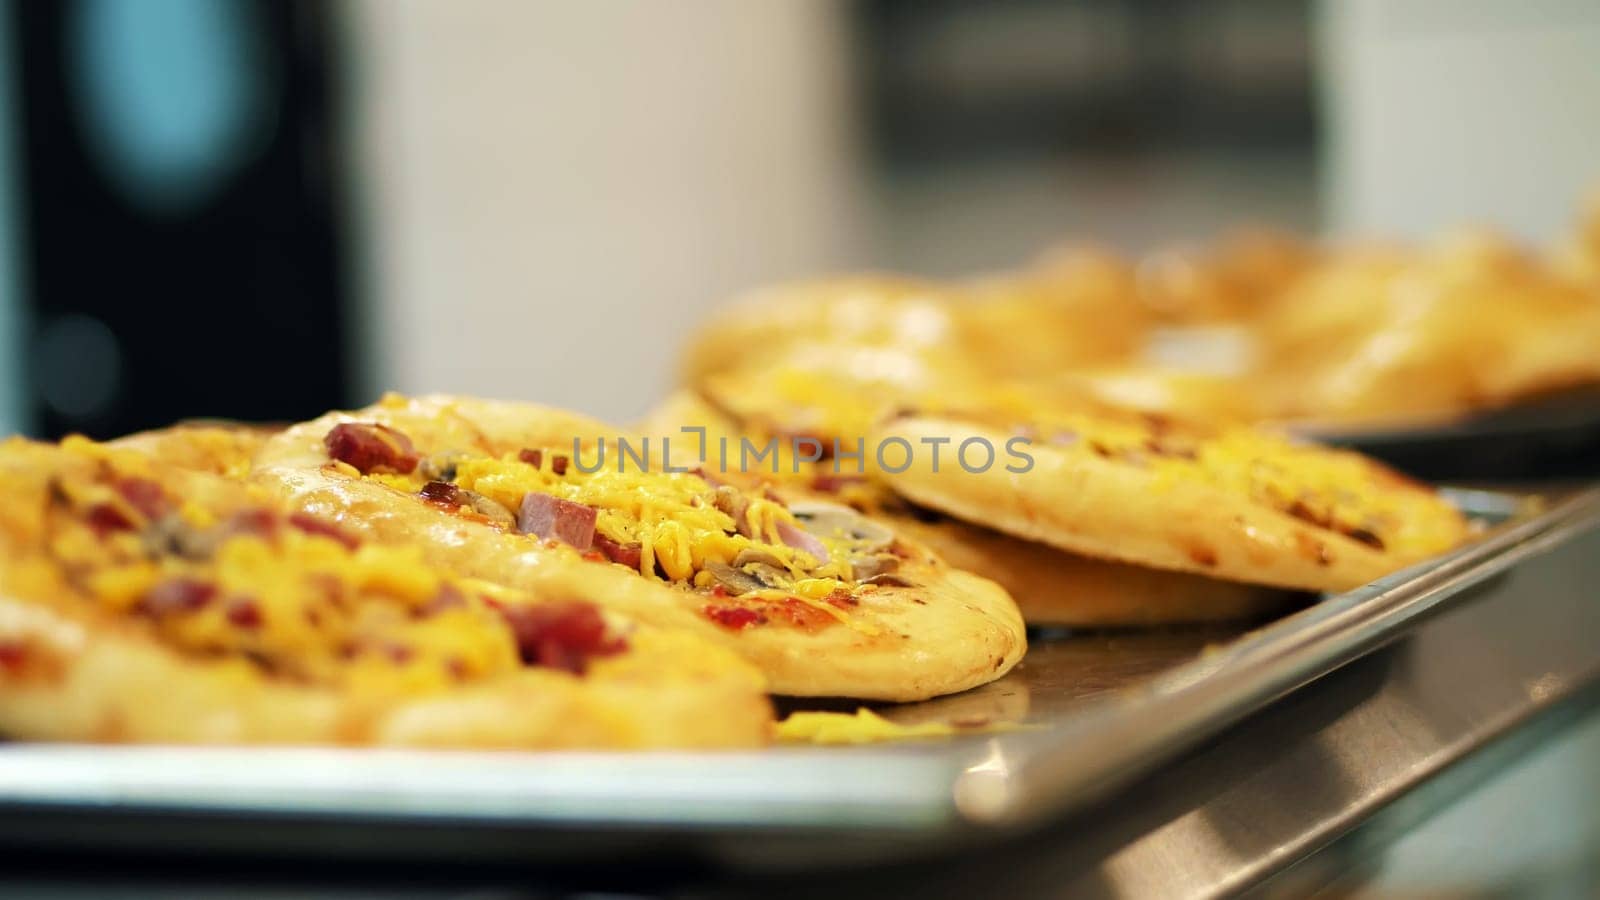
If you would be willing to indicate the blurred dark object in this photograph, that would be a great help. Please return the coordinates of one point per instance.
(1041, 77)
(1553, 437)
(183, 249)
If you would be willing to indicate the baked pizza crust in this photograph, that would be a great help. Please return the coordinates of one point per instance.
(1056, 588)
(951, 632)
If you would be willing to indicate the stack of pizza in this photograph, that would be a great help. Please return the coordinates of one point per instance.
(1257, 327)
(455, 572)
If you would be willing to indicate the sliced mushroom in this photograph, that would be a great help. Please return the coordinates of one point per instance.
(170, 534)
(831, 519)
(770, 576)
(759, 555)
(441, 466)
(866, 568)
(736, 581)
(492, 509)
(889, 579)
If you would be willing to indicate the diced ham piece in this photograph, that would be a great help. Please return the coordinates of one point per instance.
(560, 635)
(244, 613)
(312, 525)
(146, 496)
(105, 518)
(800, 539)
(371, 448)
(551, 517)
(260, 522)
(833, 484)
(14, 657)
(177, 595)
(535, 458)
(625, 554)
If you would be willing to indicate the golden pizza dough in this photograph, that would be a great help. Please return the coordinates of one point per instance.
(1236, 504)
(925, 631)
(143, 603)
(1054, 587)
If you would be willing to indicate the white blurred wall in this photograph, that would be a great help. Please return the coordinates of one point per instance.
(1445, 111)
(556, 193)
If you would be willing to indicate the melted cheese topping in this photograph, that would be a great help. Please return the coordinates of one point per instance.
(681, 523)
(1334, 489)
(372, 619)
(314, 610)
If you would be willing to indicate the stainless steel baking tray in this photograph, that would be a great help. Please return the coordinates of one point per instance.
(1539, 438)
(1091, 712)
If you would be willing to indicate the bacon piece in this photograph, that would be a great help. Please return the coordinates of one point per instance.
(13, 657)
(260, 522)
(371, 448)
(444, 492)
(833, 484)
(535, 458)
(447, 494)
(737, 618)
(105, 518)
(626, 554)
(312, 525)
(244, 613)
(551, 517)
(146, 496)
(561, 636)
(701, 473)
(177, 595)
(448, 597)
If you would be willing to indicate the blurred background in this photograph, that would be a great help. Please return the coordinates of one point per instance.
(261, 209)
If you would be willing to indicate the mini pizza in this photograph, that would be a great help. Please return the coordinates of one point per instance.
(1052, 587)
(216, 446)
(1416, 336)
(897, 330)
(1238, 504)
(824, 601)
(862, 311)
(1236, 278)
(144, 603)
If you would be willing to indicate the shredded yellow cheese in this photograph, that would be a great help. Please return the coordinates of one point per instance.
(861, 727)
(672, 517)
